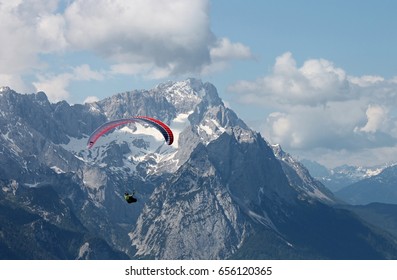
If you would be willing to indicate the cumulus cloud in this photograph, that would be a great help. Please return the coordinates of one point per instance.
(224, 49)
(171, 34)
(91, 99)
(145, 70)
(319, 107)
(150, 38)
(376, 117)
(56, 86)
(222, 52)
(366, 80)
(28, 28)
(314, 127)
(16, 82)
(315, 83)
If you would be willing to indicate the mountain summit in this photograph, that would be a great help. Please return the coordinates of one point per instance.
(220, 191)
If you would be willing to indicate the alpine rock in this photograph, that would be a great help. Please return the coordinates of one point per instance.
(219, 191)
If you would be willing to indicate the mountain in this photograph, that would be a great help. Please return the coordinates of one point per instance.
(342, 176)
(219, 192)
(379, 188)
(36, 223)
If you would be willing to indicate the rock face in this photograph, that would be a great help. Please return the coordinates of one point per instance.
(220, 191)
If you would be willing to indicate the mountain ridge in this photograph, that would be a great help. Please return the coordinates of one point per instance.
(378, 188)
(221, 179)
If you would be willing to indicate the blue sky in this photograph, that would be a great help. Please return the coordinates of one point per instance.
(318, 77)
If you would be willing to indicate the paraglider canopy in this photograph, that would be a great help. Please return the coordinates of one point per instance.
(160, 126)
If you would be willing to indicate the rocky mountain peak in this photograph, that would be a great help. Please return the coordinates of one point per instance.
(4, 89)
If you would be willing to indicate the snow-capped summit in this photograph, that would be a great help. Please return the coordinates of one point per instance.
(184, 95)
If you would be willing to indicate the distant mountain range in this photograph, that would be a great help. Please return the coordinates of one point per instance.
(358, 185)
(379, 188)
(342, 176)
(219, 192)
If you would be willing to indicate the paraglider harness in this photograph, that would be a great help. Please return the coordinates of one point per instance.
(130, 197)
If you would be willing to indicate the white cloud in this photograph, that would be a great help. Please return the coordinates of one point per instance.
(315, 83)
(318, 107)
(366, 80)
(15, 82)
(224, 49)
(56, 86)
(169, 34)
(51, 29)
(152, 39)
(302, 127)
(280, 125)
(129, 68)
(222, 52)
(28, 28)
(144, 70)
(84, 73)
(376, 117)
(91, 99)
(15, 55)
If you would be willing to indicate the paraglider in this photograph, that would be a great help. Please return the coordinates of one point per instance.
(130, 197)
(160, 126)
(106, 127)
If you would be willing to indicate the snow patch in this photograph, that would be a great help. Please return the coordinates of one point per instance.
(183, 96)
(32, 185)
(57, 170)
(93, 109)
(12, 145)
(209, 130)
(373, 172)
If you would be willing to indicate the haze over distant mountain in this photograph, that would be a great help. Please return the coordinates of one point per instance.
(339, 177)
(358, 185)
(220, 191)
(379, 188)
